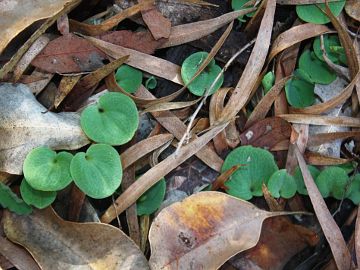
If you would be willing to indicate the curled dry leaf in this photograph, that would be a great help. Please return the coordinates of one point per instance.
(58, 244)
(25, 124)
(352, 8)
(204, 230)
(12, 17)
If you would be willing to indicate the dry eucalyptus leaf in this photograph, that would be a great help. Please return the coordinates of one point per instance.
(26, 124)
(16, 15)
(58, 244)
(204, 231)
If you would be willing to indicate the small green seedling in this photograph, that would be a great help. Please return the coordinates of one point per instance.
(281, 184)
(317, 70)
(329, 41)
(239, 5)
(299, 180)
(206, 78)
(97, 172)
(46, 170)
(151, 200)
(332, 182)
(353, 192)
(113, 120)
(9, 200)
(268, 81)
(151, 83)
(247, 181)
(299, 91)
(128, 78)
(37, 198)
(312, 13)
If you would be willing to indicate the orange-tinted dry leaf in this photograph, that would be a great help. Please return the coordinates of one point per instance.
(142, 148)
(352, 8)
(253, 68)
(222, 178)
(329, 227)
(320, 160)
(69, 54)
(266, 133)
(158, 25)
(155, 174)
(59, 244)
(204, 230)
(13, 13)
(141, 41)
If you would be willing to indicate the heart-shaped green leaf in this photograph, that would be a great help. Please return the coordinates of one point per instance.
(354, 190)
(46, 170)
(113, 120)
(128, 78)
(329, 41)
(281, 184)
(206, 78)
(313, 14)
(317, 70)
(332, 182)
(301, 188)
(97, 172)
(247, 181)
(299, 92)
(37, 198)
(151, 200)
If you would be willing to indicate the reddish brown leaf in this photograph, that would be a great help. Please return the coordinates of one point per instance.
(69, 54)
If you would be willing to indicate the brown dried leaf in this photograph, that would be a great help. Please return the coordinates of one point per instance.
(67, 83)
(29, 126)
(321, 160)
(222, 178)
(155, 174)
(69, 54)
(320, 138)
(352, 8)
(342, 121)
(204, 230)
(59, 244)
(329, 227)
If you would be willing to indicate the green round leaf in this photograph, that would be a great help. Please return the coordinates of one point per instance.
(113, 120)
(151, 200)
(37, 198)
(329, 40)
(332, 182)
(239, 5)
(268, 81)
(151, 83)
(97, 172)
(281, 184)
(299, 93)
(313, 14)
(354, 190)
(46, 170)
(247, 181)
(202, 82)
(317, 70)
(128, 78)
(299, 180)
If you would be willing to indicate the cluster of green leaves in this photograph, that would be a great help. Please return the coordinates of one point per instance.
(312, 70)
(97, 172)
(260, 168)
(242, 5)
(203, 82)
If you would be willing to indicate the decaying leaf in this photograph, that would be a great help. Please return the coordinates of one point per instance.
(204, 230)
(25, 124)
(58, 244)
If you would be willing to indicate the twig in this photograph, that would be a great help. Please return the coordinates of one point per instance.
(186, 136)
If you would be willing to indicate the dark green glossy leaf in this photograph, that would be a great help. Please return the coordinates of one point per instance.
(37, 198)
(239, 5)
(128, 78)
(313, 14)
(9, 200)
(329, 40)
(151, 200)
(354, 190)
(299, 93)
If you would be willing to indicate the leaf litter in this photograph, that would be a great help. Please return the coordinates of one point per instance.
(194, 228)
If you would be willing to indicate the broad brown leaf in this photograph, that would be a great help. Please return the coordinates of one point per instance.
(59, 244)
(204, 230)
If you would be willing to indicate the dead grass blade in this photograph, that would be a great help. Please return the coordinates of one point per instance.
(155, 174)
(142, 148)
(357, 237)
(93, 30)
(185, 33)
(302, 2)
(321, 120)
(166, 106)
(253, 68)
(263, 107)
(331, 230)
(321, 160)
(222, 178)
(67, 83)
(321, 138)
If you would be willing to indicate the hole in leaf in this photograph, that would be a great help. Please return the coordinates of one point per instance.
(100, 110)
